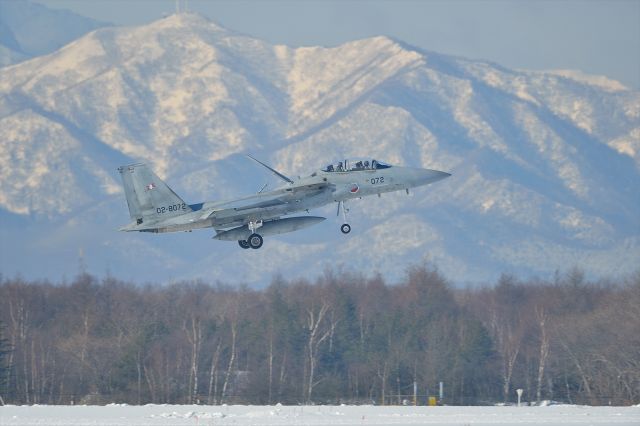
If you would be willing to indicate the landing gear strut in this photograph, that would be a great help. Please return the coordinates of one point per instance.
(345, 228)
(255, 240)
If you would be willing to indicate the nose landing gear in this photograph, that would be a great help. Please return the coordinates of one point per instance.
(345, 228)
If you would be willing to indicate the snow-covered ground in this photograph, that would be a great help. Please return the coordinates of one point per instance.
(315, 415)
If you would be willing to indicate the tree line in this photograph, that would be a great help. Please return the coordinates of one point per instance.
(341, 338)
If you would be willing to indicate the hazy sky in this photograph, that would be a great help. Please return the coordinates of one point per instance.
(597, 36)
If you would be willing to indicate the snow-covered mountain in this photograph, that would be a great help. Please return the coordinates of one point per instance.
(545, 164)
(29, 29)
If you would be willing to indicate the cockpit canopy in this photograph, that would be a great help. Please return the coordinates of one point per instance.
(350, 165)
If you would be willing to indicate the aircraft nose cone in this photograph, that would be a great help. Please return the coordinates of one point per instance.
(426, 176)
(441, 175)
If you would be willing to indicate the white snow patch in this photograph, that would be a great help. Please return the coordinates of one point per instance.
(600, 81)
(628, 145)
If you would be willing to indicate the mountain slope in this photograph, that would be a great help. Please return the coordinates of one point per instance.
(545, 165)
(29, 29)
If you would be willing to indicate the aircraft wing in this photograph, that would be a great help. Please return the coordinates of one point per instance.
(270, 199)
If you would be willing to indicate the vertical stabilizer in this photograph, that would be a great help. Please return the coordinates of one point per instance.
(148, 197)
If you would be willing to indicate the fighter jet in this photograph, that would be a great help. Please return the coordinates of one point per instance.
(154, 207)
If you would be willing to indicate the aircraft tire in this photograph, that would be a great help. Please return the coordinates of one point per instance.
(244, 244)
(255, 241)
(345, 228)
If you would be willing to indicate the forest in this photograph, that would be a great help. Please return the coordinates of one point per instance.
(339, 338)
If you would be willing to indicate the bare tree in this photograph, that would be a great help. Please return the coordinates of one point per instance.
(231, 317)
(193, 331)
(316, 336)
(213, 374)
(541, 317)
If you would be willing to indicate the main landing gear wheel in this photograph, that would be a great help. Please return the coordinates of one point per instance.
(244, 244)
(255, 241)
(345, 228)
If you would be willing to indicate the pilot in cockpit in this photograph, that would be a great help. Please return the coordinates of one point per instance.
(330, 168)
(366, 164)
(340, 166)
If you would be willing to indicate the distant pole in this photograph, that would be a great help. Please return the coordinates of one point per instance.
(519, 392)
(441, 393)
(82, 266)
(415, 393)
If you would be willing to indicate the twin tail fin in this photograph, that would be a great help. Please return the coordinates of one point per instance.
(148, 197)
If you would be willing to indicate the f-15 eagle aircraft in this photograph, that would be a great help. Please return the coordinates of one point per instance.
(154, 207)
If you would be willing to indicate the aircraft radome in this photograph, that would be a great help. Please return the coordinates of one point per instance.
(154, 207)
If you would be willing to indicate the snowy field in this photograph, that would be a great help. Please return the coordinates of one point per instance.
(120, 415)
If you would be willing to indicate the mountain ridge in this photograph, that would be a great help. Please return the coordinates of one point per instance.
(29, 30)
(540, 163)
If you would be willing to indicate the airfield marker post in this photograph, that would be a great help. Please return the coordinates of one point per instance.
(519, 392)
